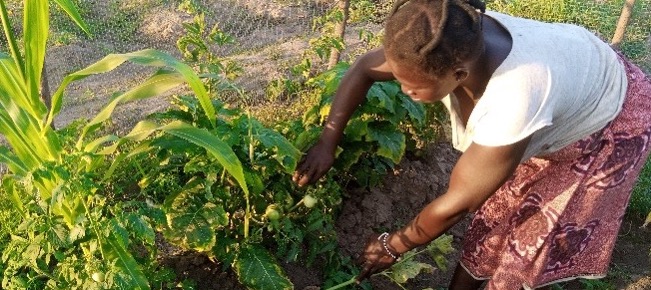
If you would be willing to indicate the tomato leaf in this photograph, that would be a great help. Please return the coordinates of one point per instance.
(403, 271)
(257, 269)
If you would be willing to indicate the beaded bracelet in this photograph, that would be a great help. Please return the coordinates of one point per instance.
(383, 239)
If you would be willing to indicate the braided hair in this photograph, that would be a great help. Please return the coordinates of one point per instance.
(434, 35)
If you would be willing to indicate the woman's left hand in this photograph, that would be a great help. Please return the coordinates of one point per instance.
(374, 259)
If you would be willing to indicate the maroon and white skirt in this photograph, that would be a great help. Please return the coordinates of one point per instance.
(558, 217)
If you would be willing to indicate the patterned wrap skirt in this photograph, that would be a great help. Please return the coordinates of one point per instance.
(558, 216)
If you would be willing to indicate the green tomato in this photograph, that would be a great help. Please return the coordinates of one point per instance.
(272, 213)
(309, 201)
(98, 277)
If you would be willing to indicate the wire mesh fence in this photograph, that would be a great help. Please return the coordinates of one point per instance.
(600, 16)
(266, 37)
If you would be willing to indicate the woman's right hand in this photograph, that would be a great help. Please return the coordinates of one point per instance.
(315, 163)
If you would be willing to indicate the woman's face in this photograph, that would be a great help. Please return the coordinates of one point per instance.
(420, 86)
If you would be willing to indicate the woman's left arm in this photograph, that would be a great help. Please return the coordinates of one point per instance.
(480, 171)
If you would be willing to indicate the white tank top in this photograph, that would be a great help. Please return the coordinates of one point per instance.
(560, 83)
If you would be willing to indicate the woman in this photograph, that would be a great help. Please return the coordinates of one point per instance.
(554, 129)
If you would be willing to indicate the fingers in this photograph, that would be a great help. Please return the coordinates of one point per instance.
(374, 259)
(304, 175)
(305, 179)
(314, 164)
(367, 270)
(307, 173)
(300, 175)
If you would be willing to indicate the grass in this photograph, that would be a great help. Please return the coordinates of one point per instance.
(640, 204)
(9, 219)
(598, 16)
(113, 20)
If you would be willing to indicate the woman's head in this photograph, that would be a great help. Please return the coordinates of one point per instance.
(434, 36)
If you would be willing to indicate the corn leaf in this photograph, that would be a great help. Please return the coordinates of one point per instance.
(12, 82)
(159, 83)
(14, 88)
(14, 163)
(70, 8)
(11, 39)
(91, 147)
(147, 57)
(36, 27)
(19, 141)
(213, 145)
(141, 148)
(131, 274)
(201, 137)
(22, 130)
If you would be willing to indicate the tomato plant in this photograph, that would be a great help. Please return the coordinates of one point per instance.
(377, 134)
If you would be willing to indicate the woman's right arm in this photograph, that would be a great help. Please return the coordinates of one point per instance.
(367, 69)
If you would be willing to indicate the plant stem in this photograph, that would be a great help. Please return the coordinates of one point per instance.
(93, 224)
(385, 273)
(351, 281)
(296, 205)
(247, 210)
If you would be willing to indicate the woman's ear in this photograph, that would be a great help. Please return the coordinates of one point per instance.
(461, 74)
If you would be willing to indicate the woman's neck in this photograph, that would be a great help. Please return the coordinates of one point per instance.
(497, 45)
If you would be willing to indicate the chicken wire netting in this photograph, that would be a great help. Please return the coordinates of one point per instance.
(268, 37)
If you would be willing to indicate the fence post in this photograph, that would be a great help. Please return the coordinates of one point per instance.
(340, 31)
(624, 18)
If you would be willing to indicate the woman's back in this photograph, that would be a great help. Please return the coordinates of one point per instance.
(559, 82)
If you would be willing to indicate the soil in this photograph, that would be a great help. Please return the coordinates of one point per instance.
(403, 192)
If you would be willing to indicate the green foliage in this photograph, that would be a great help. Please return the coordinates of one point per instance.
(377, 134)
(69, 236)
(596, 285)
(327, 41)
(210, 178)
(197, 49)
(318, 53)
(115, 20)
(207, 213)
(408, 267)
(190, 6)
(65, 31)
(640, 204)
(64, 251)
(259, 269)
(362, 11)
